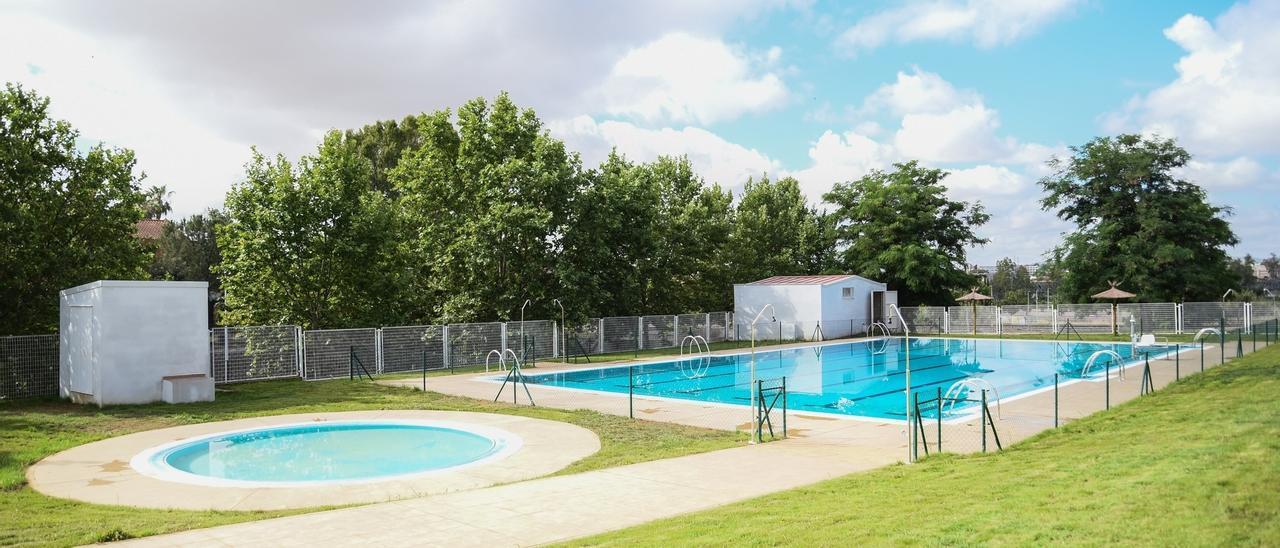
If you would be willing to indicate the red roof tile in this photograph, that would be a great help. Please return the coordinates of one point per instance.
(150, 229)
(802, 280)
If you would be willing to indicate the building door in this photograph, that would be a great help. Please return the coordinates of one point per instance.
(80, 349)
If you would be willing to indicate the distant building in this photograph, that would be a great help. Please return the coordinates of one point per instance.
(1260, 272)
(151, 230)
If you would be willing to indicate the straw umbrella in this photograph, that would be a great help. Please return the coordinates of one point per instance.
(1113, 294)
(973, 297)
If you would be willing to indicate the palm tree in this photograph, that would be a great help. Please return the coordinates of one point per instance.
(156, 204)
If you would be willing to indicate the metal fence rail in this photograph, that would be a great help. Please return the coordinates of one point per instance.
(411, 348)
(28, 366)
(327, 353)
(533, 340)
(470, 343)
(251, 353)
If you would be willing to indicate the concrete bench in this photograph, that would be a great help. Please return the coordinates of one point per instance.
(187, 388)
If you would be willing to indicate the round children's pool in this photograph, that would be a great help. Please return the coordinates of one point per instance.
(325, 453)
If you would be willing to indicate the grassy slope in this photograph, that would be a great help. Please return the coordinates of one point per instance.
(1198, 463)
(30, 431)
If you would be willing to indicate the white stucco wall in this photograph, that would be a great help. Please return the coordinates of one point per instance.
(807, 303)
(120, 338)
(840, 315)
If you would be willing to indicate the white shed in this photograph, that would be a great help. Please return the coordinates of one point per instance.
(126, 342)
(811, 307)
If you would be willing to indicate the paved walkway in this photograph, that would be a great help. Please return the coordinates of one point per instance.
(553, 509)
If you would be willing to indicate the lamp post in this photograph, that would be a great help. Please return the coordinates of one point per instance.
(563, 349)
(526, 303)
(755, 430)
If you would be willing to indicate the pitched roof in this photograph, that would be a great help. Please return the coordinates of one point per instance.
(150, 229)
(802, 280)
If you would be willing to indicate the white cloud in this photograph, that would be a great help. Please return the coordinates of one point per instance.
(1237, 172)
(964, 134)
(688, 79)
(837, 158)
(985, 23)
(190, 86)
(714, 158)
(1226, 98)
(984, 181)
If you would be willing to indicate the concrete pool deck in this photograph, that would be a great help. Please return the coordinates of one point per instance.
(99, 472)
(559, 508)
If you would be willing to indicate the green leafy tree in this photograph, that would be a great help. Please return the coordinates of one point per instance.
(900, 228)
(486, 205)
(66, 217)
(1137, 222)
(383, 143)
(310, 245)
(1242, 268)
(1010, 283)
(188, 250)
(775, 232)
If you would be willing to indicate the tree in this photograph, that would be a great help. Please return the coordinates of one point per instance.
(486, 206)
(1242, 269)
(1011, 283)
(775, 232)
(1137, 222)
(156, 202)
(899, 227)
(188, 250)
(310, 245)
(66, 217)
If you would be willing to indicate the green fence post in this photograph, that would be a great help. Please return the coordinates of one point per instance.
(983, 417)
(1222, 340)
(911, 424)
(1177, 361)
(1107, 382)
(1239, 342)
(1253, 330)
(631, 391)
(424, 370)
(1202, 355)
(1055, 400)
(939, 411)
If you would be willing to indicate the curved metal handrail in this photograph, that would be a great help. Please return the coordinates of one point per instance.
(884, 347)
(953, 393)
(1205, 331)
(696, 344)
(502, 364)
(1094, 357)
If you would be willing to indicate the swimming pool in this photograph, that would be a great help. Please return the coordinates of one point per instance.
(860, 379)
(325, 453)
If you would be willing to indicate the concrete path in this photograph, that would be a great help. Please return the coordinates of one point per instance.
(553, 509)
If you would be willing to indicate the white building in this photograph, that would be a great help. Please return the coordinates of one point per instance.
(124, 342)
(811, 307)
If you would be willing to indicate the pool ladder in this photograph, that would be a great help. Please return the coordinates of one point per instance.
(700, 354)
(514, 376)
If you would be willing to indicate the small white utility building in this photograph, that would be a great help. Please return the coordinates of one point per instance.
(123, 342)
(812, 307)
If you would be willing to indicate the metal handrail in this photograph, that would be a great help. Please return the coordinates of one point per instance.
(502, 365)
(1094, 357)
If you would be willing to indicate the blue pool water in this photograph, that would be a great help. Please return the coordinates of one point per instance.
(865, 379)
(332, 451)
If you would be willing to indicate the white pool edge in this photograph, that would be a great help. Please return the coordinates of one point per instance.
(143, 462)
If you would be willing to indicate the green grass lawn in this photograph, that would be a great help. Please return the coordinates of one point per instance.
(30, 431)
(1196, 464)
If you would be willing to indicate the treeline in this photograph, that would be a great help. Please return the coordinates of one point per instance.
(437, 218)
(463, 216)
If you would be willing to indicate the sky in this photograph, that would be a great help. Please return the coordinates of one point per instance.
(988, 90)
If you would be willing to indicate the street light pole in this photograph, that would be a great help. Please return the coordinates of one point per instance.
(755, 427)
(563, 349)
(526, 303)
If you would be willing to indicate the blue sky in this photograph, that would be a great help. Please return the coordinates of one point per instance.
(822, 91)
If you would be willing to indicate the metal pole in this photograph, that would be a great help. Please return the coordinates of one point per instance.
(631, 391)
(1222, 340)
(784, 407)
(1177, 361)
(424, 370)
(911, 425)
(983, 418)
(1202, 355)
(939, 410)
(1108, 383)
(1055, 400)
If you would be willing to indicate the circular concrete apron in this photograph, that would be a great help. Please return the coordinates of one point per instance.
(100, 473)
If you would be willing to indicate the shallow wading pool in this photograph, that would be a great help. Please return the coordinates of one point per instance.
(322, 453)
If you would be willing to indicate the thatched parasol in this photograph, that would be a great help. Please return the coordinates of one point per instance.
(1113, 294)
(973, 297)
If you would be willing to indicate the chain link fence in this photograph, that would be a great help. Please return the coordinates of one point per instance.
(412, 348)
(28, 367)
(335, 353)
